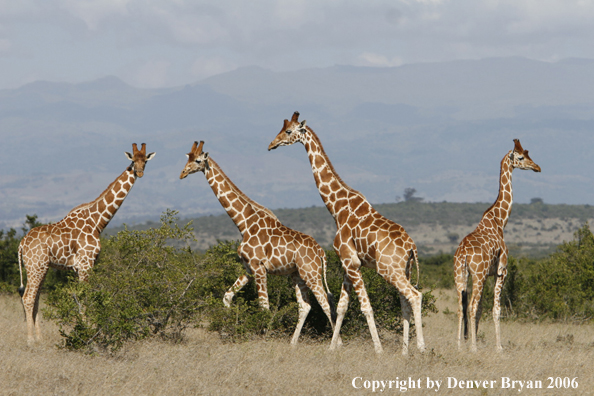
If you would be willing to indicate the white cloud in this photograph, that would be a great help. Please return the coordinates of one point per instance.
(199, 38)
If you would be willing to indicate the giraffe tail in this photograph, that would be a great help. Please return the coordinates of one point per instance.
(414, 256)
(330, 296)
(21, 289)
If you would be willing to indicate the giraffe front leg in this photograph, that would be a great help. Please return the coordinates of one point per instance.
(237, 286)
(304, 305)
(366, 308)
(260, 276)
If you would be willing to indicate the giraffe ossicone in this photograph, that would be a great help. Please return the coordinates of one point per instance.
(363, 237)
(483, 252)
(267, 246)
(73, 242)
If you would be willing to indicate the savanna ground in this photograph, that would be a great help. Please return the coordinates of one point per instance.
(203, 364)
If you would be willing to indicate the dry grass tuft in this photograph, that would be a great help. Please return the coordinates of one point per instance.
(205, 365)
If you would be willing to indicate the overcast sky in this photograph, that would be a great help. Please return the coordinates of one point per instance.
(159, 43)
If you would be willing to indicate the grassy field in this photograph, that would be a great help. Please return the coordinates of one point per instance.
(205, 365)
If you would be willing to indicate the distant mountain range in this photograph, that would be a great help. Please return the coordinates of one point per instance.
(441, 128)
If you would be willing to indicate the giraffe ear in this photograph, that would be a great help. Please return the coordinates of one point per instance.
(302, 127)
(129, 156)
(150, 156)
(206, 161)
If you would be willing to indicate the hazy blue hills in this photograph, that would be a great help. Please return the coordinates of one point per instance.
(441, 128)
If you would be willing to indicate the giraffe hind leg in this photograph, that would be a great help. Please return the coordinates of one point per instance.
(325, 300)
(304, 305)
(343, 304)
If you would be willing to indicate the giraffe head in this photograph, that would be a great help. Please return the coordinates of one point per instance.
(292, 132)
(197, 161)
(139, 159)
(519, 158)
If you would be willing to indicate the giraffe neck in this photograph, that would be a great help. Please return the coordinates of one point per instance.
(102, 209)
(239, 207)
(501, 208)
(334, 191)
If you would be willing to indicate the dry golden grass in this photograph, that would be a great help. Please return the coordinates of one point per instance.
(205, 365)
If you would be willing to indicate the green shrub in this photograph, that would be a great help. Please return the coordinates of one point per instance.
(141, 286)
(562, 285)
(149, 283)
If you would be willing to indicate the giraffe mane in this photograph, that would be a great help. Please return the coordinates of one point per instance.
(240, 193)
(505, 158)
(101, 196)
(323, 152)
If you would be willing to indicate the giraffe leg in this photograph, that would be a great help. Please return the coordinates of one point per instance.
(406, 311)
(410, 299)
(304, 305)
(499, 282)
(475, 304)
(261, 285)
(461, 278)
(239, 283)
(343, 304)
(314, 283)
(31, 306)
(359, 287)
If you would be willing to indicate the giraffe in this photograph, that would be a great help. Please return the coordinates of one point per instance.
(267, 246)
(73, 242)
(483, 252)
(363, 237)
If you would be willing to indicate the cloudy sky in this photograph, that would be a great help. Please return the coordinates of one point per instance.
(159, 43)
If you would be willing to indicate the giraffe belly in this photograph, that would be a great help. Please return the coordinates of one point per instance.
(63, 262)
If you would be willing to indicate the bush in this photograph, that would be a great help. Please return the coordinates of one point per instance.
(141, 286)
(149, 283)
(9, 272)
(562, 285)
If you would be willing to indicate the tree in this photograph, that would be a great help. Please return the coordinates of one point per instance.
(409, 195)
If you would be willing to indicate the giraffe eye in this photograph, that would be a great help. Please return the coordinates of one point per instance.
(288, 131)
(520, 158)
(198, 161)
